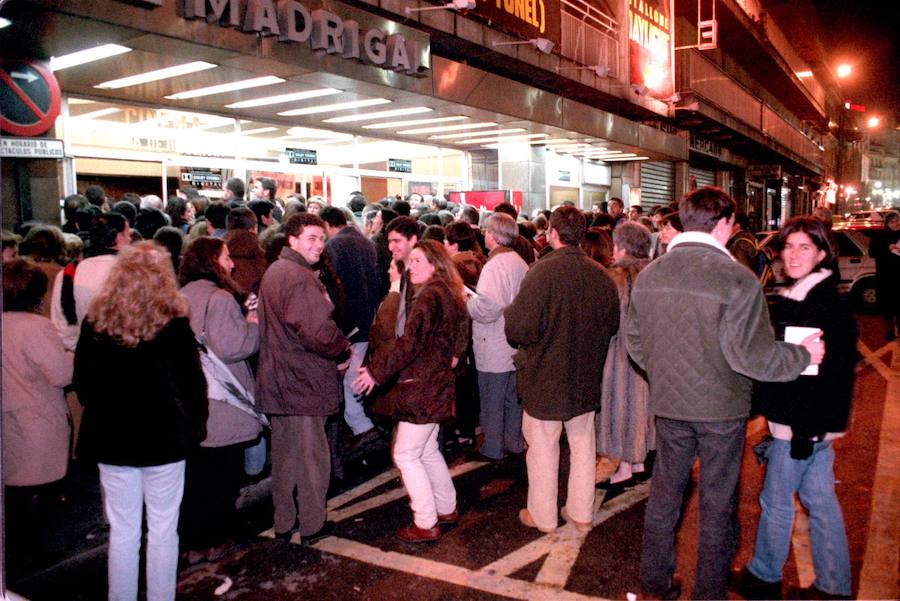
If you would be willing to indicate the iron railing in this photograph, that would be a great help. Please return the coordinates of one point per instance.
(589, 36)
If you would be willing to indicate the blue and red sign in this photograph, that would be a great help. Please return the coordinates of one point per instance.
(30, 97)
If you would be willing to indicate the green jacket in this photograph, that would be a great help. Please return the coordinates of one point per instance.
(562, 319)
(698, 324)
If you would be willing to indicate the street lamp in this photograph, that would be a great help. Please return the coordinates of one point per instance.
(873, 122)
(844, 71)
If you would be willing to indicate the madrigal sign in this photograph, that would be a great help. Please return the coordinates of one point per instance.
(313, 24)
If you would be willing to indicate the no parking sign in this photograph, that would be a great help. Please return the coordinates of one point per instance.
(29, 97)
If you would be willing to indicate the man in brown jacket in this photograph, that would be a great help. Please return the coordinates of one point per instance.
(297, 383)
(562, 319)
(243, 245)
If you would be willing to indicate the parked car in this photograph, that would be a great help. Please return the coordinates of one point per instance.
(857, 267)
(865, 220)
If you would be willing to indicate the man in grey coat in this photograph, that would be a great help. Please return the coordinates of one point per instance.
(699, 326)
(498, 285)
(562, 320)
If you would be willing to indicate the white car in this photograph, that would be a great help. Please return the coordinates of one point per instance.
(856, 266)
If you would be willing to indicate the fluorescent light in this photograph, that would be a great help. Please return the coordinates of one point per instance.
(167, 73)
(81, 101)
(434, 130)
(88, 55)
(548, 142)
(338, 106)
(256, 82)
(475, 134)
(282, 98)
(258, 130)
(413, 110)
(629, 157)
(390, 124)
(308, 132)
(97, 114)
(4, 22)
(804, 74)
(502, 140)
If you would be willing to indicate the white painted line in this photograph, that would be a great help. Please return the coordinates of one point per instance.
(881, 561)
(392, 495)
(806, 573)
(365, 487)
(480, 580)
(873, 359)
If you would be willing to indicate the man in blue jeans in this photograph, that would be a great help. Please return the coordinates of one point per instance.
(699, 326)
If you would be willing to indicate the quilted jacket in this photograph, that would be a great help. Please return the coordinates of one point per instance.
(699, 326)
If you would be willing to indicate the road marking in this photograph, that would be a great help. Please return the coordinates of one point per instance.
(351, 510)
(806, 573)
(878, 576)
(480, 580)
(874, 359)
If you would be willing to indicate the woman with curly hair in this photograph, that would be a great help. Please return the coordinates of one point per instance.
(140, 432)
(214, 470)
(422, 358)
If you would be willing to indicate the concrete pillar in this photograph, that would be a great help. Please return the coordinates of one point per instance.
(682, 179)
(524, 168)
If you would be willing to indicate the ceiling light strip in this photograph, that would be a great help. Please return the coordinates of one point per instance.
(234, 86)
(167, 73)
(410, 122)
(338, 106)
(88, 55)
(97, 114)
(477, 134)
(283, 98)
(502, 139)
(434, 130)
(258, 130)
(413, 110)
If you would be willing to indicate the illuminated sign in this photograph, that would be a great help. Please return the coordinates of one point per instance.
(650, 46)
(400, 165)
(324, 30)
(524, 18)
(301, 156)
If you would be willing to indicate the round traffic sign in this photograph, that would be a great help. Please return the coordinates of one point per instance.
(30, 97)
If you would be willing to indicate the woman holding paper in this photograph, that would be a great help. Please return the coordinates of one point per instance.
(805, 417)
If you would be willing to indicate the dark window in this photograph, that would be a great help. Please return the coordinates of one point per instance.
(846, 247)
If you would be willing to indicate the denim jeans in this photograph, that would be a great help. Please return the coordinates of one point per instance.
(125, 491)
(813, 478)
(501, 414)
(719, 446)
(424, 472)
(354, 412)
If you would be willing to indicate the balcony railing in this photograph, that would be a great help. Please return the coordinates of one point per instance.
(777, 127)
(699, 76)
(783, 46)
(589, 36)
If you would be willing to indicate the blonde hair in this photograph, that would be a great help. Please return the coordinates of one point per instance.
(140, 296)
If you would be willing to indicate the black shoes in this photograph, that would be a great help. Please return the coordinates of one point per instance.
(670, 594)
(614, 489)
(812, 593)
(748, 586)
(327, 529)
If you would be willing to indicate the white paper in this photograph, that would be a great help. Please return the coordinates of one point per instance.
(796, 335)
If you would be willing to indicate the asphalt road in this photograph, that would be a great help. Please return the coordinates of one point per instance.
(489, 555)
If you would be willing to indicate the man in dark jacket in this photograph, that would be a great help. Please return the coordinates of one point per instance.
(297, 380)
(699, 326)
(562, 319)
(356, 264)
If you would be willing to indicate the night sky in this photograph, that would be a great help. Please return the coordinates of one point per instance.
(864, 33)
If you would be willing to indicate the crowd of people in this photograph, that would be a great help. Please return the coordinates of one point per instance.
(417, 325)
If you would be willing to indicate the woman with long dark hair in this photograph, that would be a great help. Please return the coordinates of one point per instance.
(214, 470)
(805, 417)
(434, 338)
(138, 374)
